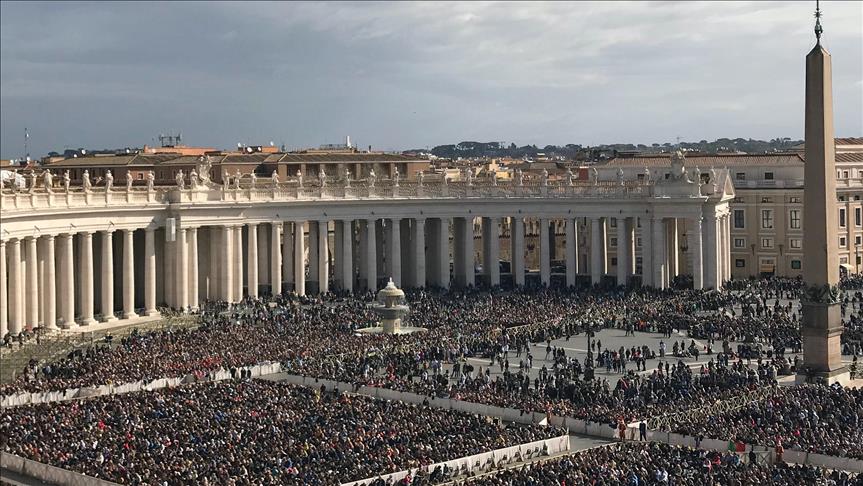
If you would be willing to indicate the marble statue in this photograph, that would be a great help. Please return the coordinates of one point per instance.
(109, 180)
(129, 181)
(646, 175)
(47, 180)
(226, 179)
(347, 178)
(67, 179)
(619, 176)
(372, 178)
(594, 175)
(494, 178)
(469, 176)
(193, 179)
(543, 178)
(275, 178)
(85, 181)
(181, 184)
(204, 166)
(237, 177)
(396, 178)
(151, 179)
(420, 177)
(569, 176)
(322, 177)
(253, 180)
(519, 177)
(32, 180)
(299, 178)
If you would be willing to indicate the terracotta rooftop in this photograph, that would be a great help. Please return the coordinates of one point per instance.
(255, 158)
(849, 157)
(849, 141)
(717, 160)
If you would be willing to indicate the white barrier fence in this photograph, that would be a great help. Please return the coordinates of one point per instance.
(48, 474)
(483, 462)
(111, 389)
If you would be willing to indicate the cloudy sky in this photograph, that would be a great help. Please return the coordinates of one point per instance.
(407, 75)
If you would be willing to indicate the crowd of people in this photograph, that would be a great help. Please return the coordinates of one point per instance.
(811, 418)
(649, 464)
(748, 332)
(248, 432)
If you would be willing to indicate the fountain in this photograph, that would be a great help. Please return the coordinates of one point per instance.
(391, 308)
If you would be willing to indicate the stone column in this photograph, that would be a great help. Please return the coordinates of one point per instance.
(323, 256)
(337, 270)
(463, 264)
(660, 253)
(347, 256)
(631, 243)
(418, 239)
(491, 250)
(371, 255)
(544, 252)
(571, 251)
(443, 258)
(226, 273)
(726, 253)
(622, 252)
(276, 258)
(263, 266)
(87, 290)
(673, 249)
(647, 251)
(238, 263)
(395, 251)
(288, 256)
(128, 274)
(252, 260)
(31, 296)
(16, 290)
(516, 238)
(107, 276)
(49, 285)
(4, 303)
(150, 272)
(695, 246)
(596, 253)
(299, 259)
(193, 268)
(182, 268)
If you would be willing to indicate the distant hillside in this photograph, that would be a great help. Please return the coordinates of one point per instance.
(577, 151)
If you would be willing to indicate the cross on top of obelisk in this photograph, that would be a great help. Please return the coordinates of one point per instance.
(818, 29)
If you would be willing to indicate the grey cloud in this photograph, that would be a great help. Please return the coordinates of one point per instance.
(406, 74)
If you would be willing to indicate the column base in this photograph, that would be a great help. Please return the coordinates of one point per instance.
(129, 315)
(109, 319)
(67, 325)
(151, 312)
(88, 321)
(840, 375)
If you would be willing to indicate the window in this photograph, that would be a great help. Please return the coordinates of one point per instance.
(844, 174)
(795, 265)
(140, 176)
(766, 242)
(766, 200)
(858, 216)
(843, 260)
(858, 240)
(638, 260)
(858, 260)
(794, 218)
(638, 242)
(766, 219)
(740, 176)
(795, 243)
(613, 261)
(794, 200)
(843, 242)
(740, 263)
(842, 222)
(613, 223)
(739, 219)
(739, 200)
(768, 176)
(739, 243)
(613, 242)
(640, 177)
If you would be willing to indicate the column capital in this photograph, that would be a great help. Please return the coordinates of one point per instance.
(49, 237)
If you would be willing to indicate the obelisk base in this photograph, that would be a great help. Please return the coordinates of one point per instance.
(822, 346)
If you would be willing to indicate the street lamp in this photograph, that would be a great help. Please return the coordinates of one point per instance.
(588, 364)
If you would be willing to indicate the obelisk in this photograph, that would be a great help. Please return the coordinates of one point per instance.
(822, 322)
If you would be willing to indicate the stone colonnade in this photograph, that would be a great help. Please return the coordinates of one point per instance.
(75, 278)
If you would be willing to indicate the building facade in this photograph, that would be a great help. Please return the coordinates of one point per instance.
(73, 255)
(767, 233)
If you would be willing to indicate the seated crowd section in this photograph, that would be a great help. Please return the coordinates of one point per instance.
(260, 432)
